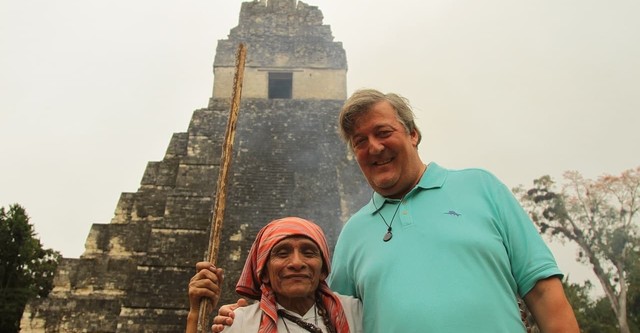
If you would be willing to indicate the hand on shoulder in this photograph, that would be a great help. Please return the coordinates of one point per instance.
(226, 315)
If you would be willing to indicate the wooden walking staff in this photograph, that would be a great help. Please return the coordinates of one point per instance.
(221, 192)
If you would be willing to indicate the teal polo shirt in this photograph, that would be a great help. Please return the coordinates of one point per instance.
(462, 250)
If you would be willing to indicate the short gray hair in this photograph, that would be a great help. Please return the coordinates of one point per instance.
(361, 101)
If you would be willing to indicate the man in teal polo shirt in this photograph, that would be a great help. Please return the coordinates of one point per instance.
(437, 250)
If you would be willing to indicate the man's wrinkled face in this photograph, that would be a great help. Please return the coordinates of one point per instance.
(294, 269)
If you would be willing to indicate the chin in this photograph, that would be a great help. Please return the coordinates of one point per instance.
(298, 293)
(384, 187)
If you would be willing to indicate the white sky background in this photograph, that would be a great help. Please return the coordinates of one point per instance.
(90, 91)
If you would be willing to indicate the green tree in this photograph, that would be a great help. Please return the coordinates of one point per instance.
(593, 316)
(634, 295)
(601, 217)
(26, 269)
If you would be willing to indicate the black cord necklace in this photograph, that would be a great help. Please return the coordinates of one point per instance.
(300, 322)
(387, 237)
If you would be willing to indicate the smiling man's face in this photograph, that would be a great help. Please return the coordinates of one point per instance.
(386, 153)
(294, 270)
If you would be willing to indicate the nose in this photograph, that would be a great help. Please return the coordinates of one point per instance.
(297, 261)
(375, 146)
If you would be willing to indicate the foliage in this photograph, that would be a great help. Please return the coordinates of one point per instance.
(601, 217)
(593, 317)
(634, 296)
(26, 269)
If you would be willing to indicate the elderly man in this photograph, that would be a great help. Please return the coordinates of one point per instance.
(285, 270)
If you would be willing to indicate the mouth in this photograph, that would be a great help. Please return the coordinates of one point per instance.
(382, 162)
(297, 276)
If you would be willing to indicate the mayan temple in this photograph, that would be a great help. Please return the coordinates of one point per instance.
(287, 160)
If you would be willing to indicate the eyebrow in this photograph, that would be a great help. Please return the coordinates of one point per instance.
(303, 245)
(379, 127)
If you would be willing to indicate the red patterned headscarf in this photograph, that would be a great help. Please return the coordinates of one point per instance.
(250, 282)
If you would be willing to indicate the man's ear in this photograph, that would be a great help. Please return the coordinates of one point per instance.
(415, 137)
(265, 276)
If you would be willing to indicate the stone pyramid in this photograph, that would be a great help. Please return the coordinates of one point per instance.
(287, 161)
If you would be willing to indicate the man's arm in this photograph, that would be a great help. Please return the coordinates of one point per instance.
(550, 307)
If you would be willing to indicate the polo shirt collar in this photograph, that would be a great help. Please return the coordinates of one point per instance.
(434, 177)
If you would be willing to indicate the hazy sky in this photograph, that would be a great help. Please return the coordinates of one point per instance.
(90, 91)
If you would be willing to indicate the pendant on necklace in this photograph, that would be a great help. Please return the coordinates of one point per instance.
(387, 236)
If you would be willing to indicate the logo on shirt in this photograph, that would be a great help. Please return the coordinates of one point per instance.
(453, 213)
